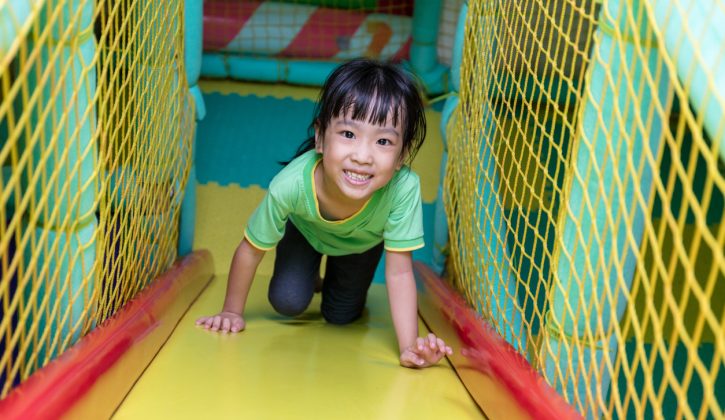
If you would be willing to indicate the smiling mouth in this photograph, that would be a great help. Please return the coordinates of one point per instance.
(357, 178)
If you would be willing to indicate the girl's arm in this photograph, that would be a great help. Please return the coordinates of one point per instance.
(414, 351)
(241, 274)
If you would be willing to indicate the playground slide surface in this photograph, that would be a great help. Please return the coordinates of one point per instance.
(282, 368)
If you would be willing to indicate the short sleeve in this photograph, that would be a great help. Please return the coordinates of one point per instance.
(404, 228)
(267, 224)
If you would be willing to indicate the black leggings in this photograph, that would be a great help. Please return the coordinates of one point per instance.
(297, 266)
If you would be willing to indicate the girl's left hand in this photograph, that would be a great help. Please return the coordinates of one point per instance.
(425, 352)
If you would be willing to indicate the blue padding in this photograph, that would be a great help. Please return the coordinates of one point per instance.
(440, 229)
(267, 69)
(74, 266)
(458, 48)
(446, 114)
(434, 81)
(587, 229)
(75, 134)
(214, 65)
(198, 101)
(426, 19)
(13, 16)
(233, 150)
(491, 252)
(298, 72)
(699, 57)
(188, 215)
(193, 20)
(258, 69)
(311, 73)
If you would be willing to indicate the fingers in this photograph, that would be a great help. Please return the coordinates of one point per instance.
(221, 323)
(237, 325)
(438, 344)
(412, 360)
(425, 352)
(216, 321)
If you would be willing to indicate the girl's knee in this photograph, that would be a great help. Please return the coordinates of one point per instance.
(288, 304)
(340, 317)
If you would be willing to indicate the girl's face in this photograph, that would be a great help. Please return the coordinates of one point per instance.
(358, 158)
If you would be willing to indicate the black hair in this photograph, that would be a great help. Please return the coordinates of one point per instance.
(370, 90)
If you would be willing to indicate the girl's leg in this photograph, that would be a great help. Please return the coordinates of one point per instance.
(347, 280)
(296, 268)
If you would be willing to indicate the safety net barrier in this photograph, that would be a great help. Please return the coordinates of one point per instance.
(584, 192)
(96, 128)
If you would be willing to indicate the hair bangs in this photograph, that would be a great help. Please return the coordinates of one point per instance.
(373, 105)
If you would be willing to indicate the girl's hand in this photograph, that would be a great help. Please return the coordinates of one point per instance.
(425, 352)
(223, 322)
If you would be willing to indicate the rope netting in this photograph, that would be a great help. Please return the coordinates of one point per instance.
(96, 128)
(584, 191)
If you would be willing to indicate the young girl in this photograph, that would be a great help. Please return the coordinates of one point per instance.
(347, 194)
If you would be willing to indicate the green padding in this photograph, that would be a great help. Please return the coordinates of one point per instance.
(13, 16)
(81, 18)
(73, 263)
(699, 57)
(587, 230)
(66, 185)
(675, 370)
(7, 172)
(534, 88)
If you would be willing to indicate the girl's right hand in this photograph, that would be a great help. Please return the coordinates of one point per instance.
(223, 322)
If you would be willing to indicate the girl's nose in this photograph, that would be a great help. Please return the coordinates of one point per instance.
(363, 153)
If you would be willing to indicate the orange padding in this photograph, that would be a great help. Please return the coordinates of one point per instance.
(91, 378)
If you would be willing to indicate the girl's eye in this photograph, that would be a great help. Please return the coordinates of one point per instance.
(385, 142)
(348, 134)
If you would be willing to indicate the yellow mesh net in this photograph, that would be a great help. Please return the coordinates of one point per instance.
(96, 128)
(584, 191)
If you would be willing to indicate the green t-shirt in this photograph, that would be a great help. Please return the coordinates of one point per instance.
(393, 214)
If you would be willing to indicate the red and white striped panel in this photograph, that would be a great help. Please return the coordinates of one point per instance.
(303, 31)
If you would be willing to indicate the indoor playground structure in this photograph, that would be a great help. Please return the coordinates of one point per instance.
(573, 184)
